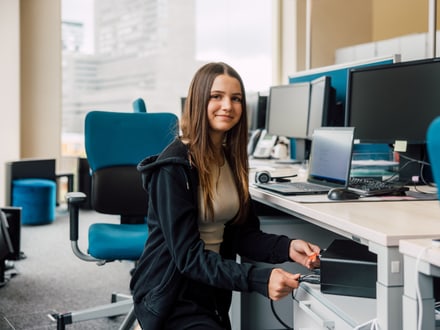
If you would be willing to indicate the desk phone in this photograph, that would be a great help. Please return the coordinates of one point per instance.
(264, 145)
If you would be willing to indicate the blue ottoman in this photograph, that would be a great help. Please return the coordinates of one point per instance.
(37, 198)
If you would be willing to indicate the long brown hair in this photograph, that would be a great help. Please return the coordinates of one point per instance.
(195, 129)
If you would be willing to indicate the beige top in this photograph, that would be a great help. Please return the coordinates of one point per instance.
(226, 205)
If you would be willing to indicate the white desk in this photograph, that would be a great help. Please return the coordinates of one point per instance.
(422, 262)
(378, 225)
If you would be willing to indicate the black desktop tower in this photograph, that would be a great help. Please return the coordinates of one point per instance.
(13, 216)
(349, 269)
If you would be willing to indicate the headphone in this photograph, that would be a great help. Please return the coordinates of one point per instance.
(265, 177)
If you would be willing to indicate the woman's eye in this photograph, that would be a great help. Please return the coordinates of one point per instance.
(236, 99)
(215, 96)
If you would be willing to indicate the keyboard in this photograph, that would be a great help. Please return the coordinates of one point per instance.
(371, 187)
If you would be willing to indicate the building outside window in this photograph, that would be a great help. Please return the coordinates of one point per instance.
(115, 51)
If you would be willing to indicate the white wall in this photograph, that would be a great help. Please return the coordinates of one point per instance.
(9, 87)
(40, 70)
(411, 47)
(30, 82)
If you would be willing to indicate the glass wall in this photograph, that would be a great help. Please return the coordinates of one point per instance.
(115, 51)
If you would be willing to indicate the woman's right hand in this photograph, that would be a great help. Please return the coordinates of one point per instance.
(281, 283)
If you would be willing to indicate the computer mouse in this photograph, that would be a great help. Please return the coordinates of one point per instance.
(340, 194)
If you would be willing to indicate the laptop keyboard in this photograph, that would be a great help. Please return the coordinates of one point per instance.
(371, 187)
(295, 188)
(305, 186)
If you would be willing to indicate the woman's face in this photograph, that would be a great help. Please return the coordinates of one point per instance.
(224, 107)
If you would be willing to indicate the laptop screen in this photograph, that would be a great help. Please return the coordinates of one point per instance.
(330, 156)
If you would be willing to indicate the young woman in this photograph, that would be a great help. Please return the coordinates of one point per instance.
(200, 217)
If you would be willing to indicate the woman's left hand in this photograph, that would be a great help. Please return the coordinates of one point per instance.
(305, 253)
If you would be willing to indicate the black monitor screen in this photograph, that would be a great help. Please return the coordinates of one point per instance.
(288, 110)
(320, 104)
(256, 105)
(394, 102)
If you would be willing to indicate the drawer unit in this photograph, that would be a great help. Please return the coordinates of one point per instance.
(315, 310)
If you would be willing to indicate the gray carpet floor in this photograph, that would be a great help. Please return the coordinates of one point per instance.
(51, 279)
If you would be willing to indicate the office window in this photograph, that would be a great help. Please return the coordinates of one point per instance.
(239, 33)
(115, 51)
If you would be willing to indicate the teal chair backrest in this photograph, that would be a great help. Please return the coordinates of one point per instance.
(125, 138)
(433, 146)
(139, 105)
(115, 143)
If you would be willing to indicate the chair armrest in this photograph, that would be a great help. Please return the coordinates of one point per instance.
(74, 200)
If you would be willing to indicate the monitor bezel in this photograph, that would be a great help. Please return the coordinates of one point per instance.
(325, 103)
(394, 66)
(256, 107)
(339, 76)
(269, 112)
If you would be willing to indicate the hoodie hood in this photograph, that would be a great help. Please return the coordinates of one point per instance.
(175, 153)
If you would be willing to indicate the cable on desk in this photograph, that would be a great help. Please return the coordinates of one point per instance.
(416, 179)
(412, 161)
(314, 278)
(272, 307)
(417, 189)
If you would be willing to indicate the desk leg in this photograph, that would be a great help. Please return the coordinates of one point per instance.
(389, 307)
(410, 309)
(389, 287)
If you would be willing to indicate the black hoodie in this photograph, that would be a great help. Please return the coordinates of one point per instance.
(174, 253)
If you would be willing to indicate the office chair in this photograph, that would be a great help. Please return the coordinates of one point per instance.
(433, 146)
(115, 143)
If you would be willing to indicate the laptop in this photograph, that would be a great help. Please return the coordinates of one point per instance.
(329, 164)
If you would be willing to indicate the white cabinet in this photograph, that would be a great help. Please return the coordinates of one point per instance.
(315, 310)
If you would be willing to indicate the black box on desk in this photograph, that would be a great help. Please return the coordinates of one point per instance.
(349, 269)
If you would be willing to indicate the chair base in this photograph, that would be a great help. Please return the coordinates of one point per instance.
(120, 305)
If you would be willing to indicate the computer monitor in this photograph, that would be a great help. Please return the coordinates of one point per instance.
(395, 102)
(182, 104)
(288, 110)
(322, 101)
(256, 105)
(339, 78)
